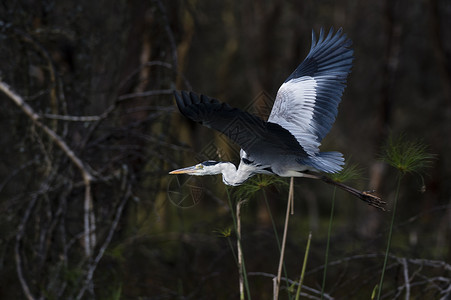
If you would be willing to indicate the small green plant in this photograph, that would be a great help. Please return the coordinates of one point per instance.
(224, 232)
(407, 157)
(255, 184)
(373, 293)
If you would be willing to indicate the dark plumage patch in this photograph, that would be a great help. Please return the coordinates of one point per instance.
(269, 169)
(248, 131)
(246, 161)
(210, 163)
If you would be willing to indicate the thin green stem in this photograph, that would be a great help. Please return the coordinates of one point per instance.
(231, 209)
(304, 265)
(242, 265)
(229, 241)
(379, 292)
(326, 262)
(272, 220)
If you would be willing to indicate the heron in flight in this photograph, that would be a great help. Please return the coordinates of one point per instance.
(287, 144)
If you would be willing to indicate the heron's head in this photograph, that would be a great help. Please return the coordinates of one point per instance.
(209, 167)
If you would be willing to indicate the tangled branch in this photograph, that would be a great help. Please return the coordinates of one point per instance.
(89, 237)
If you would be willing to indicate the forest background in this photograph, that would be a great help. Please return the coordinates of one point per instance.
(90, 130)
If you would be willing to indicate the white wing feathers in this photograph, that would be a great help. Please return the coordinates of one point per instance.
(307, 102)
(293, 110)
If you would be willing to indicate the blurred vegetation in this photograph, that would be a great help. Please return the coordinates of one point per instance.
(100, 75)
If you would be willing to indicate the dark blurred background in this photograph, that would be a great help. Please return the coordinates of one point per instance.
(100, 75)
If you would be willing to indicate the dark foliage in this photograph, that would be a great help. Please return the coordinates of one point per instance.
(87, 209)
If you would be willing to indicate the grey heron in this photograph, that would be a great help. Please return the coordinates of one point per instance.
(287, 144)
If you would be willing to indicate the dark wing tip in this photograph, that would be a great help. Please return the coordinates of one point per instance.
(330, 54)
(194, 98)
(212, 113)
(194, 106)
(178, 100)
(186, 97)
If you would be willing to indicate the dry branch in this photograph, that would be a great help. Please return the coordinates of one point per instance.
(295, 283)
(85, 173)
(284, 239)
(239, 247)
(72, 118)
(106, 243)
(17, 254)
(145, 94)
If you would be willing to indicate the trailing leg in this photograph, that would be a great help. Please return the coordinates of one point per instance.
(366, 196)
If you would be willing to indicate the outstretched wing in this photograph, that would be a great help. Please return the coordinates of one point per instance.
(307, 102)
(248, 131)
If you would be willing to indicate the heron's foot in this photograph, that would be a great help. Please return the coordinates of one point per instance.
(373, 200)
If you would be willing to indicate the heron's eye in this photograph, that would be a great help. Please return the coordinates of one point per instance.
(199, 167)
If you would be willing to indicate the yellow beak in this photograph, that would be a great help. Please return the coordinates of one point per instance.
(192, 169)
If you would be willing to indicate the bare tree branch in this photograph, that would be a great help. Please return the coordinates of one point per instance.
(294, 283)
(145, 94)
(72, 118)
(86, 174)
(406, 286)
(406, 277)
(170, 35)
(15, 172)
(17, 255)
(106, 243)
(148, 64)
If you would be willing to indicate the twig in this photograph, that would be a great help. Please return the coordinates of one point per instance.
(345, 260)
(446, 293)
(284, 241)
(97, 121)
(406, 277)
(15, 172)
(86, 174)
(238, 233)
(56, 90)
(430, 263)
(275, 233)
(145, 94)
(19, 236)
(238, 245)
(292, 282)
(139, 68)
(170, 35)
(72, 118)
(426, 281)
(291, 192)
(106, 243)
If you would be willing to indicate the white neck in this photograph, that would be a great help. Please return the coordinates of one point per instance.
(232, 176)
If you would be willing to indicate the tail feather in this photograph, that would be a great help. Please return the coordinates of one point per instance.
(328, 162)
